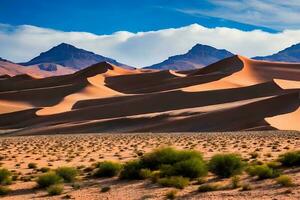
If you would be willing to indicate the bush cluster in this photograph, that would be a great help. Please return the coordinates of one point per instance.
(290, 159)
(107, 169)
(226, 165)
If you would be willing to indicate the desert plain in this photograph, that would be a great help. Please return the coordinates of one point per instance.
(81, 151)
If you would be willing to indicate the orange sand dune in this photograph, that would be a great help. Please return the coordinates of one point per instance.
(236, 93)
(12, 69)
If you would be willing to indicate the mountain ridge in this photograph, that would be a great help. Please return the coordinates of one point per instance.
(197, 57)
(70, 56)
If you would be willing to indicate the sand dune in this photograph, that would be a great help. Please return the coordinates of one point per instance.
(236, 93)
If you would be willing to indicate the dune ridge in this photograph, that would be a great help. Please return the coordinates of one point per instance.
(236, 93)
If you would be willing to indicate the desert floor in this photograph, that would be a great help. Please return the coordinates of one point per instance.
(83, 150)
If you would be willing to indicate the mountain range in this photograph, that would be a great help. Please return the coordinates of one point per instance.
(65, 59)
(290, 54)
(70, 56)
(198, 57)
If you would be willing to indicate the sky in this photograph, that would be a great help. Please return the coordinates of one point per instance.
(145, 32)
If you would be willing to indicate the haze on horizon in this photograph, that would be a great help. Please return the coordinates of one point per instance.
(141, 33)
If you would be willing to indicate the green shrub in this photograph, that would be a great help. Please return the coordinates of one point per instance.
(76, 186)
(192, 168)
(105, 189)
(262, 171)
(5, 176)
(56, 189)
(207, 187)
(226, 165)
(290, 159)
(4, 190)
(145, 173)
(45, 169)
(246, 187)
(174, 181)
(171, 194)
(131, 170)
(274, 164)
(67, 173)
(108, 169)
(284, 180)
(167, 156)
(155, 176)
(32, 165)
(48, 179)
(235, 182)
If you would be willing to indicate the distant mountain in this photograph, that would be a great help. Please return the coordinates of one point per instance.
(290, 54)
(199, 56)
(70, 56)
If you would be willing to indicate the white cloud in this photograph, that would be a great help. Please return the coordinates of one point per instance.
(275, 14)
(21, 43)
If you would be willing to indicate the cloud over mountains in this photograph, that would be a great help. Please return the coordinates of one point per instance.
(21, 43)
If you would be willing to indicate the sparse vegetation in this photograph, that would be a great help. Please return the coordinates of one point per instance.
(171, 194)
(48, 179)
(108, 169)
(226, 165)
(285, 181)
(67, 173)
(262, 172)
(32, 165)
(174, 181)
(290, 159)
(207, 187)
(131, 170)
(5, 176)
(4, 190)
(235, 182)
(56, 189)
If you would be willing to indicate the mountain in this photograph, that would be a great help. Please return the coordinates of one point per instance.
(70, 56)
(198, 57)
(290, 54)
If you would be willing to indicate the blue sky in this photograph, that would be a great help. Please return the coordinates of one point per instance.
(145, 32)
(108, 16)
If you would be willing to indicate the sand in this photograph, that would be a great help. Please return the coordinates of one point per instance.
(107, 98)
(86, 149)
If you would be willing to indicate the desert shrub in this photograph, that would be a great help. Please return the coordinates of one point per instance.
(5, 176)
(207, 187)
(171, 194)
(145, 173)
(155, 176)
(67, 173)
(226, 165)
(4, 190)
(32, 165)
(131, 170)
(167, 156)
(235, 182)
(44, 169)
(76, 186)
(48, 179)
(284, 180)
(262, 171)
(290, 159)
(274, 164)
(192, 168)
(56, 189)
(246, 187)
(105, 189)
(108, 169)
(174, 181)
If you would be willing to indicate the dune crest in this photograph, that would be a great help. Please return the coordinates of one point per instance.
(236, 93)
